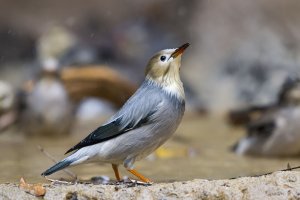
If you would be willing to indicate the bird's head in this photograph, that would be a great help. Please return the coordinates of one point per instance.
(289, 93)
(163, 69)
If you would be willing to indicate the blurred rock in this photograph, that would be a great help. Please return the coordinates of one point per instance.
(97, 81)
(97, 180)
(94, 109)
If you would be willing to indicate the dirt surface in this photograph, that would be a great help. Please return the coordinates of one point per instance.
(279, 185)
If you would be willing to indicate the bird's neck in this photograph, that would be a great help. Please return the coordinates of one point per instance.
(169, 83)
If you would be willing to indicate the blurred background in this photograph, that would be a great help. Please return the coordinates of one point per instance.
(67, 66)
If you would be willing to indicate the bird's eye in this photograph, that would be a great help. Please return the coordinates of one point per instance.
(163, 58)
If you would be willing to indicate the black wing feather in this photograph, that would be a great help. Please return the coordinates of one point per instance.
(262, 128)
(109, 131)
(101, 134)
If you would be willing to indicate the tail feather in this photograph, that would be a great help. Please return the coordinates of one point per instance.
(59, 166)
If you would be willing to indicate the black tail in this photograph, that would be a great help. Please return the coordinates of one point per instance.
(59, 166)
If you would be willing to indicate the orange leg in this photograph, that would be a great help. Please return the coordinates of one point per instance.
(140, 176)
(116, 170)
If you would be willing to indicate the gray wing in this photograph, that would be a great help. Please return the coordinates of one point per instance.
(139, 110)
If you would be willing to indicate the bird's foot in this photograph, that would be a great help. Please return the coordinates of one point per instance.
(140, 176)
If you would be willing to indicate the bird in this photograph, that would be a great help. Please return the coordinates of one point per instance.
(8, 114)
(47, 104)
(275, 132)
(288, 95)
(7, 97)
(146, 121)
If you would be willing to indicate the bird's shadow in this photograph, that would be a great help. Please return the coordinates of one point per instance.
(101, 181)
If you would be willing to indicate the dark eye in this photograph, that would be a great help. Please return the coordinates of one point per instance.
(163, 58)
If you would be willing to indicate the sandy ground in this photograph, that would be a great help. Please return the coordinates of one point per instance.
(279, 185)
